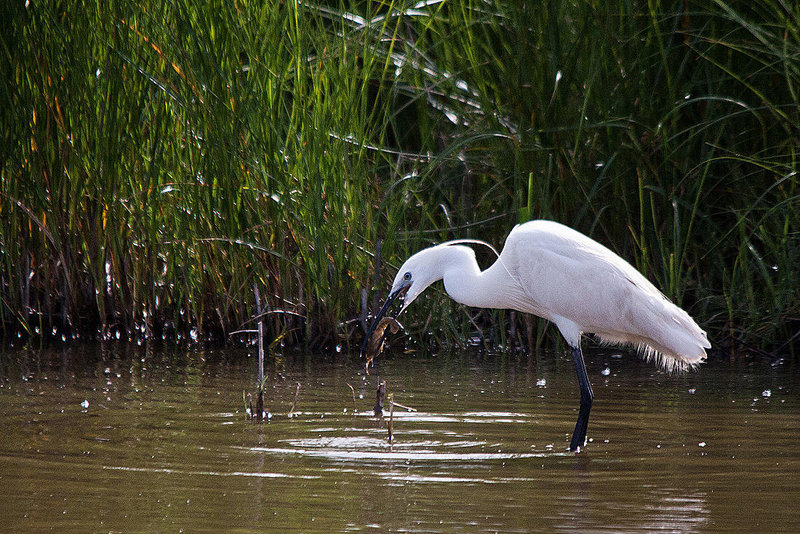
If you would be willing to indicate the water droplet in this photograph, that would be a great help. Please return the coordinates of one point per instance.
(701, 444)
(692, 391)
(541, 382)
(85, 404)
(606, 371)
(766, 393)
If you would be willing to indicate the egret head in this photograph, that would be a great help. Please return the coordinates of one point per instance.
(417, 273)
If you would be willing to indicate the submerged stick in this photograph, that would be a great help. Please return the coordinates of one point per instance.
(391, 417)
(294, 404)
(260, 399)
(409, 408)
(353, 391)
(260, 371)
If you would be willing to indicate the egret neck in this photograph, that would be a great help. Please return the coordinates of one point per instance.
(468, 285)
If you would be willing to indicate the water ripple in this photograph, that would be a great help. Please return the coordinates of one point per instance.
(205, 473)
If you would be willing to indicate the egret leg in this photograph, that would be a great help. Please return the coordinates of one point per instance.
(587, 396)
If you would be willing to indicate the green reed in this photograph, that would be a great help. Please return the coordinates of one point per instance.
(162, 162)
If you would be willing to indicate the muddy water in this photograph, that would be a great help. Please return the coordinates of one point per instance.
(120, 439)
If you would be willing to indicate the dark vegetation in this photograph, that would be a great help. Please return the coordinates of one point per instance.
(163, 163)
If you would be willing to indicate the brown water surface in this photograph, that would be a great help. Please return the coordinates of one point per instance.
(157, 440)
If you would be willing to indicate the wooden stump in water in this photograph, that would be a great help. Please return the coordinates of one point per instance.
(379, 394)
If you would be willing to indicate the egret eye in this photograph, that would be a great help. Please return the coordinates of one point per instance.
(407, 276)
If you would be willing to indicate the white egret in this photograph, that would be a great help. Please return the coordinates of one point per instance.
(557, 273)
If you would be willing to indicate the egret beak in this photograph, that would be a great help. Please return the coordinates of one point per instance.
(392, 296)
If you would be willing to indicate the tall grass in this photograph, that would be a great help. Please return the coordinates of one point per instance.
(162, 162)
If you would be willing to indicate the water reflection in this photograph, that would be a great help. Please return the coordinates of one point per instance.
(110, 438)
